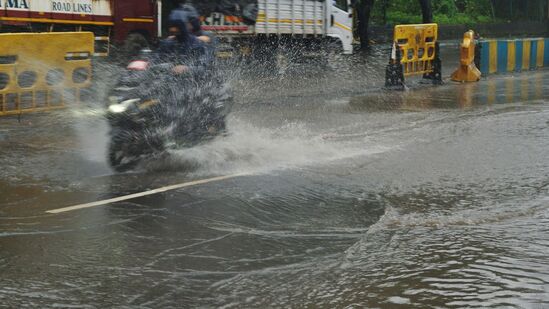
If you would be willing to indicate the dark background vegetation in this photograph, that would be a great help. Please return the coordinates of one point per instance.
(458, 12)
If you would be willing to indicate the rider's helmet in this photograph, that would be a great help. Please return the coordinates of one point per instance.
(179, 18)
(193, 18)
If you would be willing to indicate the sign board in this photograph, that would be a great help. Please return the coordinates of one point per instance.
(80, 7)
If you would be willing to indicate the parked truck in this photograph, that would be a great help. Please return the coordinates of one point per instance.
(253, 22)
(130, 24)
(112, 21)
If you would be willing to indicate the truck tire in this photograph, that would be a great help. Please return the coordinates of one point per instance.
(282, 61)
(335, 60)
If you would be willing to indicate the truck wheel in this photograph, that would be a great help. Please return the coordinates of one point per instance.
(282, 61)
(334, 58)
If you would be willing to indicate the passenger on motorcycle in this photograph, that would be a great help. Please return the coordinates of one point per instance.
(193, 52)
(183, 48)
(194, 27)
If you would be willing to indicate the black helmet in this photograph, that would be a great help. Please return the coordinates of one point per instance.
(179, 18)
(193, 17)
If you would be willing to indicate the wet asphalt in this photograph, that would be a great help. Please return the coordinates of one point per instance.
(339, 195)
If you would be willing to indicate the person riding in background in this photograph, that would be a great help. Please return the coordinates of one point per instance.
(193, 52)
(185, 49)
(213, 113)
(194, 27)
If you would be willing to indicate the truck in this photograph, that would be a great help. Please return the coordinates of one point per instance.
(253, 22)
(122, 22)
(131, 24)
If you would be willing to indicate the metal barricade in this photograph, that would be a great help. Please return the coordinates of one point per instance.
(415, 52)
(43, 71)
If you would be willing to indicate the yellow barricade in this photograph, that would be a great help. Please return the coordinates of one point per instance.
(43, 71)
(415, 52)
(417, 45)
(467, 71)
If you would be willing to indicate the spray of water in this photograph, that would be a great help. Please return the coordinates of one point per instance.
(252, 149)
(245, 147)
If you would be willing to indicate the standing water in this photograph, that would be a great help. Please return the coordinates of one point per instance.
(432, 198)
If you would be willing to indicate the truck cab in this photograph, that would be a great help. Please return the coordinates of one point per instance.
(341, 24)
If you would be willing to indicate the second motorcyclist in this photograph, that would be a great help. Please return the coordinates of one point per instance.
(182, 48)
(193, 54)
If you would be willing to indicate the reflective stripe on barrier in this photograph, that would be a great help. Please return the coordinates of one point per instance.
(42, 71)
(502, 56)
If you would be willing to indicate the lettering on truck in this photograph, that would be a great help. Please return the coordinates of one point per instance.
(59, 6)
(81, 7)
(221, 22)
(15, 4)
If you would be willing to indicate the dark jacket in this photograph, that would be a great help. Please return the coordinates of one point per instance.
(184, 48)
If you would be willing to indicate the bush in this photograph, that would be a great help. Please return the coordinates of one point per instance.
(395, 18)
(446, 12)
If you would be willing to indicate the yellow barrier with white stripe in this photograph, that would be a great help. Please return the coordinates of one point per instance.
(42, 71)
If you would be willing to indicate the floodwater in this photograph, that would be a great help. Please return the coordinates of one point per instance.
(355, 197)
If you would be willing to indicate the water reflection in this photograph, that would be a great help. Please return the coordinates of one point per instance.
(496, 90)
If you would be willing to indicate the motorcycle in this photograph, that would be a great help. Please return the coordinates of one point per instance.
(151, 110)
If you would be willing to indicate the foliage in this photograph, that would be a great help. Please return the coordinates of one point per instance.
(444, 11)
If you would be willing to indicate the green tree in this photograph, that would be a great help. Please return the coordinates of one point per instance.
(364, 11)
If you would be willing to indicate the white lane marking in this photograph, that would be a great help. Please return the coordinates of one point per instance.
(141, 194)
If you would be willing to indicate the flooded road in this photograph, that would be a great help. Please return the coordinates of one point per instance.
(353, 197)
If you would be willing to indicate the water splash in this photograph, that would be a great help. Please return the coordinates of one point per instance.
(252, 149)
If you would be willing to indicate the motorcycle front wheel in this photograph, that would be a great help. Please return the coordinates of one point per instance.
(127, 150)
(121, 158)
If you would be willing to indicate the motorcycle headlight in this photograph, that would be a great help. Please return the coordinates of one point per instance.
(122, 106)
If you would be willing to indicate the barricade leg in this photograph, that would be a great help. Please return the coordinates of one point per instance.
(394, 72)
(436, 75)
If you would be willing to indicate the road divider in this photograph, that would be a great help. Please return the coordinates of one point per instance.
(507, 56)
